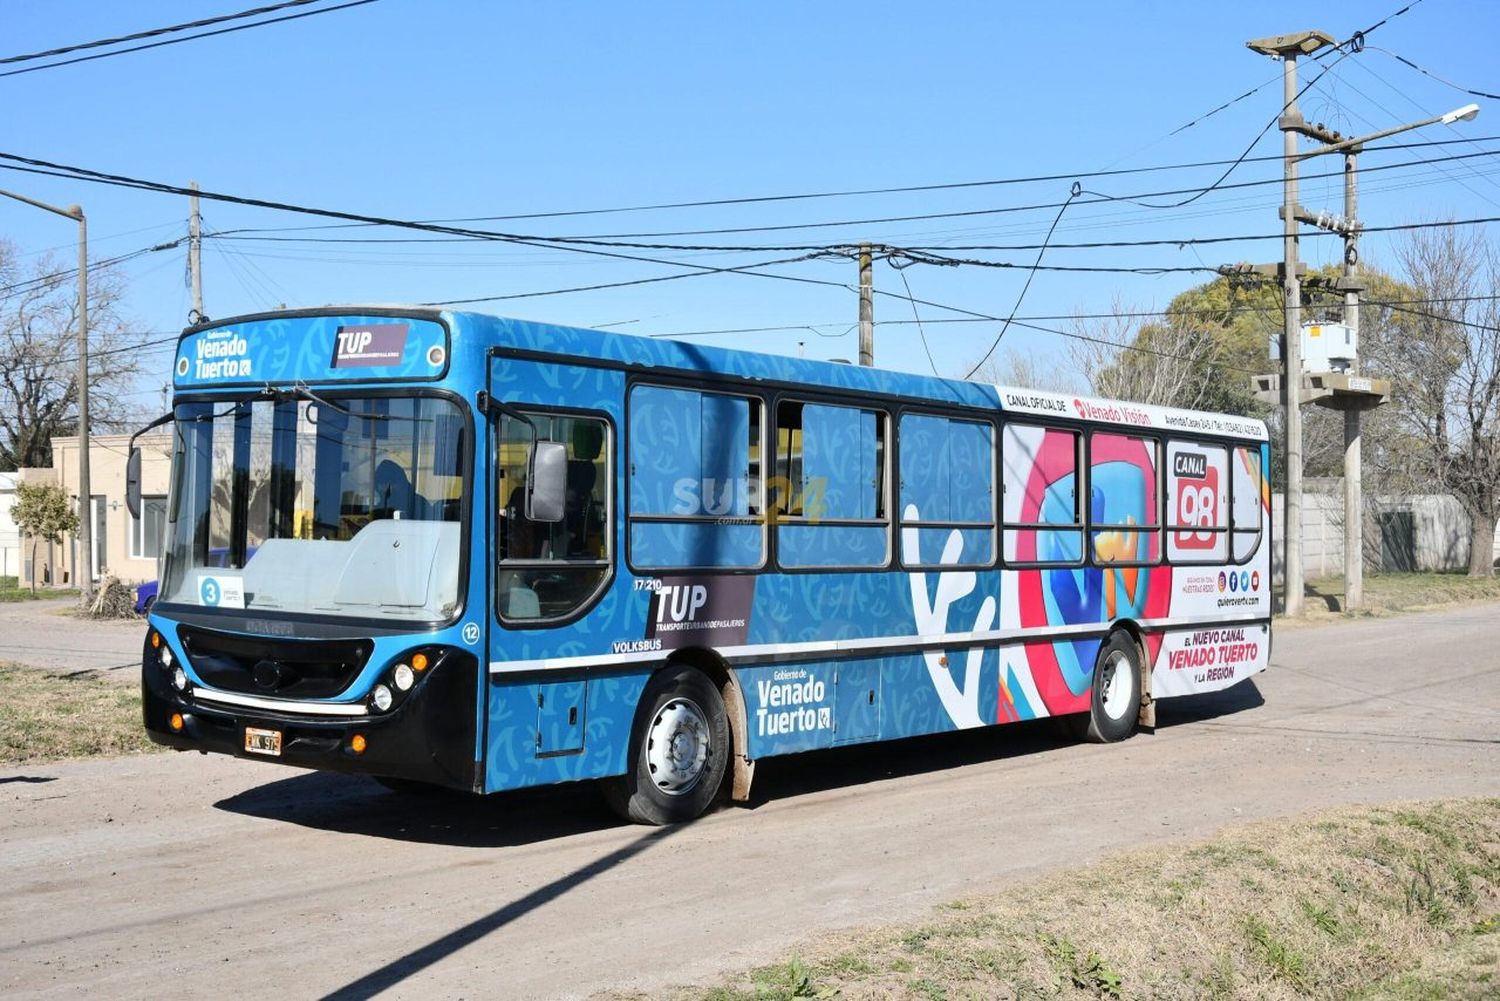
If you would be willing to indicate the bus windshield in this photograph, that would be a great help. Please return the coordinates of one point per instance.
(332, 505)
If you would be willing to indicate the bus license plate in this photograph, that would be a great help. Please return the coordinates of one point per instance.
(258, 741)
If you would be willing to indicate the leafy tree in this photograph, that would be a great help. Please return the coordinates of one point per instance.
(43, 512)
(1443, 357)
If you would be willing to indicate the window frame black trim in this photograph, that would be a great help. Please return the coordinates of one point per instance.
(701, 386)
(1080, 463)
(994, 422)
(492, 520)
(1159, 445)
(847, 402)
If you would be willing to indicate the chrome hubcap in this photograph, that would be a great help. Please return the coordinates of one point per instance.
(677, 746)
(1118, 685)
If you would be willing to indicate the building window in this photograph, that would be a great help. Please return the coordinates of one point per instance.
(146, 531)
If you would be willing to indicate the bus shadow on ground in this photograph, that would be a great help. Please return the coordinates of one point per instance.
(352, 804)
(1209, 706)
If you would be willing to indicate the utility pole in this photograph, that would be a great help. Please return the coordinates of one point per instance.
(1344, 390)
(85, 499)
(195, 253)
(1288, 48)
(85, 535)
(866, 307)
(1354, 521)
(1355, 394)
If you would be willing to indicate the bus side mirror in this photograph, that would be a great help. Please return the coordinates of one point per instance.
(133, 483)
(547, 482)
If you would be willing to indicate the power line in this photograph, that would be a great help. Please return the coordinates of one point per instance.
(839, 194)
(562, 243)
(176, 41)
(743, 269)
(1445, 82)
(154, 32)
(1072, 194)
(901, 270)
(1401, 93)
(38, 281)
(616, 240)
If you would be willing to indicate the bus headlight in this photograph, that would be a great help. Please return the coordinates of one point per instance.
(179, 680)
(382, 697)
(166, 657)
(404, 677)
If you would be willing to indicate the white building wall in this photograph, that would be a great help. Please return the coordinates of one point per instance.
(10, 536)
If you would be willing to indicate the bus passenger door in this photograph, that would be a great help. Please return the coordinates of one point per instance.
(551, 551)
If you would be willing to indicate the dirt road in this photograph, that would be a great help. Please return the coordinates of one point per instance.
(43, 634)
(180, 875)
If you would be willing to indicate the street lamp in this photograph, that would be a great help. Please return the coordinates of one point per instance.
(85, 564)
(1287, 48)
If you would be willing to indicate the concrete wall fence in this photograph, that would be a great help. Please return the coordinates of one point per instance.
(1401, 533)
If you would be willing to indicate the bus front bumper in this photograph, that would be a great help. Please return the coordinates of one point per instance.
(428, 738)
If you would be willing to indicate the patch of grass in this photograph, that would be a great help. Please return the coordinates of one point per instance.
(45, 716)
(1386, 902)
(1286, 962)
(40, 594)
(1400, 592)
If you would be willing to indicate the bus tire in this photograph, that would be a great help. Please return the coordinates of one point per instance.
(679, 750)
(1116, 701)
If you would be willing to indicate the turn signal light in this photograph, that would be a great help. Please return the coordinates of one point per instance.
(419, 662)
(175, 722)
(357, 743)
(155, 640)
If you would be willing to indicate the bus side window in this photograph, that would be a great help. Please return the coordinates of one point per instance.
(829, 489)
(1042, 521)
(1124, 523)
(1197, 503)
(695, 490)
(947, 485)
(1249, 502)
(548, 570)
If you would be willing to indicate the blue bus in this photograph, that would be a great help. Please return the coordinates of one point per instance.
(456, 550)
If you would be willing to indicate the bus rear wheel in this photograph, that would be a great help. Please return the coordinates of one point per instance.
(1116, 701)
(679, 750)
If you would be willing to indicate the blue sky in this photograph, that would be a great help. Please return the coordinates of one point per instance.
(447, 110)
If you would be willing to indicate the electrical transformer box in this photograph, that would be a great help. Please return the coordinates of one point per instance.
(1326, 347)
(1329, 347)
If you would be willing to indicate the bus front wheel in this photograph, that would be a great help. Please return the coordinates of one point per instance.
(1116, 701)
(678, 751)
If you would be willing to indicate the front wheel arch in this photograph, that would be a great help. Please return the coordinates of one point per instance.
(680, 748)
(1116, 693)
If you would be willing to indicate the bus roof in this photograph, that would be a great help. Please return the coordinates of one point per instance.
(683, 357)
